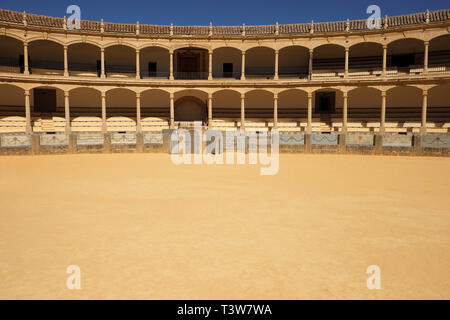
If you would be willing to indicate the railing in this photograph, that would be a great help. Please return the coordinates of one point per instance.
(159, 74)
(46, 64)
(191, 75)
(87, 67)
(295, 72)
(231, 75)
(260, 71)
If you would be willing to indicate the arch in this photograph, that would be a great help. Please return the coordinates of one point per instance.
(197, 93)
(404, 103)
(119, 44)
(46, 57)
(87, 41)
(83, 59)
(189, 108)
(260, 61)
(227, 62)
(154, 62)
(329, 57)
(156, 45)
(155, 103)
(338, 100)
(191, 63)
(293, 61)
(364, 103)
(11, 95)
(190, 46)
(317, 46)
(51, 39)
(85, 109)
(259, 104)
(11, 51)
(226, 104)
(438, 96)
(407, 38)
(292, 103)
(120, 60)
(366, 56)
(439, 51)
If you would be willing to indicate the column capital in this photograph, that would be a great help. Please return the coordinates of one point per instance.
(210, 95)
(347, 49)
(426, 43)
(311, 50)
(102, 49)
(138, 50)
(385, 46)
(65, 47)
(27, 92)
(345, 94)
(276, 51)
(242, 95)
(425, 92)
(243, 52)
(383, 93)
(310, 94)
(138, 95)
(66, 94)
(103, 94)
(275, 96)
(171, 95)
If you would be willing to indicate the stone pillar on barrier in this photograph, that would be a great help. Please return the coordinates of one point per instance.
(107, 143)
(72, 148)
(35, 143)
(139, 142)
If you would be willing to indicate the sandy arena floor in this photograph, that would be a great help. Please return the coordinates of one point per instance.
(140, 227)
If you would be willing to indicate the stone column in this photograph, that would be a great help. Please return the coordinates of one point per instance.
(243, 66)
(309, 125)
(28, 128)
(171, 65)
(425, 57)
(383, 112)
(67, 111)
(311, 51)
(210, 65)
(242, 111)
(26, 69)
(172, 112)
(276, 65)
(138, 113)
(423, 129)
(275, 110)
(345, 113)
(384, 59)
(104, 127)
(346, 62)
(66, 64)
(210, 101)
(138, 67)
(102, 58)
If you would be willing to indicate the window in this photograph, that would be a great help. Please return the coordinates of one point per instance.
(152, 68)
(325, 102)
(227, 70)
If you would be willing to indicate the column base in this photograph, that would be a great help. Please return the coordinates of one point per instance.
(72, 148)
(379, 143)
(342, 142)
(107, 143)
(308, 143)
(139, 142)
(417, 144)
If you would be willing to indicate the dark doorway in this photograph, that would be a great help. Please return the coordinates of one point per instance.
(227, 70)
(325, 102)
(45, 100)
(152, 67)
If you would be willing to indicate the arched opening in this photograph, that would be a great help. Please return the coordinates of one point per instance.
(439, 104)
(227, 63)
(260, 62)
(292, 105)
(328, 61)
(404, 103)
(154, 62)
(259, 104)
(439, 54)
(155, 110)
(293, 62)
(46, 57)
(364, 104)
(190, 108)
(365, 59)
(405, 56)
(120, 61)
(47, 109)
(121, 110)
(226, 105)
(84, 60)
(11, 55)
(191, 63)
(327, 106)
(12, 109)
(190, 105)
(85, 109)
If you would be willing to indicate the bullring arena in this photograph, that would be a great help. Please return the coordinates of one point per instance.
(86, 177)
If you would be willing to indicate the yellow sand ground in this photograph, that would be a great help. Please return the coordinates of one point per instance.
(140, 227)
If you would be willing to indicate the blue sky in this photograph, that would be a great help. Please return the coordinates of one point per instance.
(222, 12)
